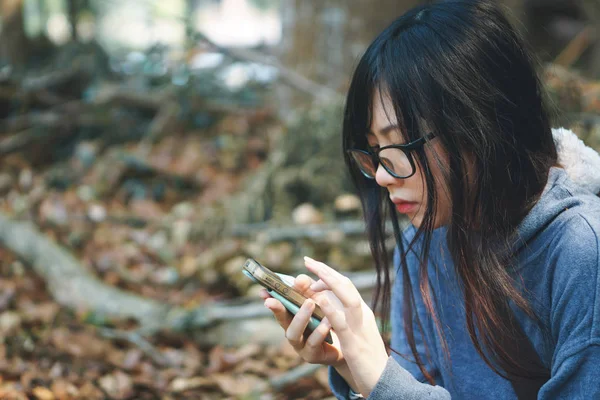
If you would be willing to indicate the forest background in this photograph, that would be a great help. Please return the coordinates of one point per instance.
(147, 148)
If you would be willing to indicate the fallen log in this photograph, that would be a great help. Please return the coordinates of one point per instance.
(73, 286)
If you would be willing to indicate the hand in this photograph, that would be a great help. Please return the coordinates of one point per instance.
(355, 326)
(311, 348)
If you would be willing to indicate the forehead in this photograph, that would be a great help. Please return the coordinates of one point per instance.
(382, 110)
(384, 123)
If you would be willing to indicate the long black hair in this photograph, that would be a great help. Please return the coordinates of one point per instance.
(459, 68)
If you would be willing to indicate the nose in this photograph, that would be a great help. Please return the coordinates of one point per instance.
(383, 178)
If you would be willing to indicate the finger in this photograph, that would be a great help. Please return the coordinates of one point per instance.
(294, 332)
(336, 317)
(264, 294)
(319, 286)
(340, 285)
(302, 283)
(317, 337)
(283, 317)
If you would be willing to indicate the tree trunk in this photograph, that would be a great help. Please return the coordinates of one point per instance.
(14, 44)
(322, 40)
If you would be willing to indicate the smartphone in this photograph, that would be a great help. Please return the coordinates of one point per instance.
(280, 287)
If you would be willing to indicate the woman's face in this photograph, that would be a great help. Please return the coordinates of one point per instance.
(408, 194)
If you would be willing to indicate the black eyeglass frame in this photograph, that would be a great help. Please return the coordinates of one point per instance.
(406, 148)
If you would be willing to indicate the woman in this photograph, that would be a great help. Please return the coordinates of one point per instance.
(497, 288)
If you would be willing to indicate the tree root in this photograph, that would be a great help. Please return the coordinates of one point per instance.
(74, 287)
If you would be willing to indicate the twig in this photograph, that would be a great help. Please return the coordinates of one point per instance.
(166, 114)
(138, 340)
(22, 122)
(301, 371)
(54, 78)
(576, 47)
(268, 234)
(293, 78)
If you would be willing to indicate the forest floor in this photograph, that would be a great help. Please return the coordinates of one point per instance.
(131, 186)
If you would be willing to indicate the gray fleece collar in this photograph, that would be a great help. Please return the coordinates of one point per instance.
(582, 163)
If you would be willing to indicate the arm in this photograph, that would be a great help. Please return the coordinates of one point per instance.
(575, 312)
(576, 377)
(400, 378)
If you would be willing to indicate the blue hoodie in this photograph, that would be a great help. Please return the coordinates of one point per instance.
(558, 262)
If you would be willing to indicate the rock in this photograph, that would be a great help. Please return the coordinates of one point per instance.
(233, 271)
(54, 211)
(346, 203)
(306, 214)
(165, 276)
(216, 256)
(158, 241)
(180, 232)
(96, 212)
(276, 256)
(182, 210)
(86, 193)
(263, 331)
(117, 385)
(25, 179)
(85, 154)
(10, 322)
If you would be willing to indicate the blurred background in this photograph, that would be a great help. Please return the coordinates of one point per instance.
(147, 148)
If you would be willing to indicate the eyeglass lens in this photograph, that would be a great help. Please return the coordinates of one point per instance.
(394, 160)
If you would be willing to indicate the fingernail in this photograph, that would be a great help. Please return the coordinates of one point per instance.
(306, 258)
(313, 286)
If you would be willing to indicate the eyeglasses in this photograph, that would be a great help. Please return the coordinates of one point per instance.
(395, 158)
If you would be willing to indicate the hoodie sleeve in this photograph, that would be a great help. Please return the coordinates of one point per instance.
(395, 383)
(575, 311)
(401, 378)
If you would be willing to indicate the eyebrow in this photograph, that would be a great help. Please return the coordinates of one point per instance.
(385, 131)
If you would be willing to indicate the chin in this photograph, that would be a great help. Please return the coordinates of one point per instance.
(416, 220)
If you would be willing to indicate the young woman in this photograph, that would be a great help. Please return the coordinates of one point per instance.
(497, 285)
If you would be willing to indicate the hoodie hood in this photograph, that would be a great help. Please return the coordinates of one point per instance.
(582, 163)
(576, 184)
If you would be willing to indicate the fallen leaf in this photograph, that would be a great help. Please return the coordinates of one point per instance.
(64, 390)
(43, 393)
(117, 385)
(238, 385)
(182, 384)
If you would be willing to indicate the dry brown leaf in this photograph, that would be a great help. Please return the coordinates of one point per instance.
(10, 323)
(42, 393)
(257, 367)
(10, 391)
(216, 362)
(39, 312)
(146, 209)
(64, 390)
(131, 359)
(80, 344)
(7, 293)
(118, 385)
(182, 384)
(238, 385)
(90, 392)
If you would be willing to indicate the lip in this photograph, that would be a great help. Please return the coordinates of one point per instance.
(405, 207)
